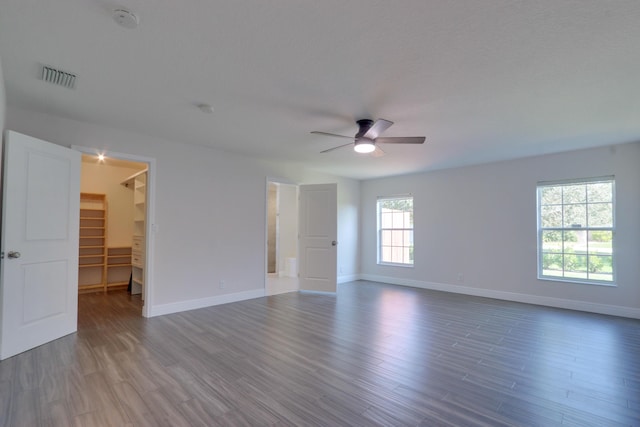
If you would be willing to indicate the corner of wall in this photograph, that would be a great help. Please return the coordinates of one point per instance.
(3, 99)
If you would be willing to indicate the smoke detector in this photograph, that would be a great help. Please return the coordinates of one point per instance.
(125, 18)
(205, 108)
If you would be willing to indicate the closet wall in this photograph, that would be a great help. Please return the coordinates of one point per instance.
(105, 178)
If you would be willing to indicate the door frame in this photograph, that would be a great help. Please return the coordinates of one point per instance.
(277, 226)
(150, 224)
(277, 181)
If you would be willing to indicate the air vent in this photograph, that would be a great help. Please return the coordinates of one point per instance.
(58, 77)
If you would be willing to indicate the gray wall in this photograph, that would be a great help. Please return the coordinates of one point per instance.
(210, 211)
(3, 100)
(480, 222)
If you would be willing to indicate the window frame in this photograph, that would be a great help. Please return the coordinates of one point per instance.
(380, 230)
(540, 249)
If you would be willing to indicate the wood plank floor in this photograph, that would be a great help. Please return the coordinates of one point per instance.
(374, 355)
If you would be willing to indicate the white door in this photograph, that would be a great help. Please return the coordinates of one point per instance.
(40, 215)
(318, 237)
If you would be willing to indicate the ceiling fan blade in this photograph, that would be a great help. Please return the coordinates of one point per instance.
(401, 140)
(335, 148)
(378, 152)
(331, 134)
(377, 128)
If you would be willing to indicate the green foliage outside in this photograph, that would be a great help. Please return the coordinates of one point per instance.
(551, 236)
(601, 236)
(577, 251)
(403, 205)
(577, 205)
(398, 204)
(577, 263)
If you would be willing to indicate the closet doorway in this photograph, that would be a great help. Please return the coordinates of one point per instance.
(114, 201)
(282, 238)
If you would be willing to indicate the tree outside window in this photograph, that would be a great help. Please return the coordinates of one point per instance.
(576, 231)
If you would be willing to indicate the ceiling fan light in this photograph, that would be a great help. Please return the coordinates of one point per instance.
(364, 147)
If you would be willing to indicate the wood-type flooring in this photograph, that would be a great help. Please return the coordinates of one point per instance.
(373, 354)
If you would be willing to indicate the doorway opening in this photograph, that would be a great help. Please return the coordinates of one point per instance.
(282, 238)
(115, 250)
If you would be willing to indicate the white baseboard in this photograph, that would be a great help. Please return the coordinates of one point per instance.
(176, 307)
(348, 278)
(612, 310)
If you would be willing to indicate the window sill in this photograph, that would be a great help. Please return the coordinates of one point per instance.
(391, 264)
(576, 281)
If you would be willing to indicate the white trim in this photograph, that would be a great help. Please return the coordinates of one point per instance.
(302, 291)
(265, 266)
(194, 304)
(150, 233)
(348, 278)
(277, 181)
(396, 196)
(280, 180)
(590, 180)
(540, 230)
(611, 310)
(150, 223)
(380, 229)
(395, 264)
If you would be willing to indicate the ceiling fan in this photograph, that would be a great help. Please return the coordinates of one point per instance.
(367, 138)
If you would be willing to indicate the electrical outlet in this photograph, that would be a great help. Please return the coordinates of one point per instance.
(222, 284)
(460, 277)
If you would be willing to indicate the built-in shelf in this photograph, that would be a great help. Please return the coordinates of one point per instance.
(93, 229)
(118, 267)
(138, 183)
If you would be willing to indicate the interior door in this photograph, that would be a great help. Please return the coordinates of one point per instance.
(39, 266)
(318, 224)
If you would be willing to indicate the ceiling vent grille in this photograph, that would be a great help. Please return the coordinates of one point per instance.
(58, 77)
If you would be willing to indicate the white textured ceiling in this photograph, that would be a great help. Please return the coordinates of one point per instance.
(483, 80)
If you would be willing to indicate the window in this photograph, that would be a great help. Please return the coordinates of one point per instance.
(395, 230)
(576, 231)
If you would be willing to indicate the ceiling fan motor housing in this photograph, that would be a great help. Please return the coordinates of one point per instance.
(365, 125)
(368, 134)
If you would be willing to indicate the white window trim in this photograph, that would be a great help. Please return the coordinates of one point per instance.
(379, 231)
(541, 276)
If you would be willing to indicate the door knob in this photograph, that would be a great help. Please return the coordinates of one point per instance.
(13, 254)
(334, 243)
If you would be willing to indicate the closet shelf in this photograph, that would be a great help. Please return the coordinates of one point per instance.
(118, 266)
(138, 183)
(93, 233)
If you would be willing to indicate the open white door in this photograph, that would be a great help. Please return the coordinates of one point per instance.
(40, 215)
(318, 225)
